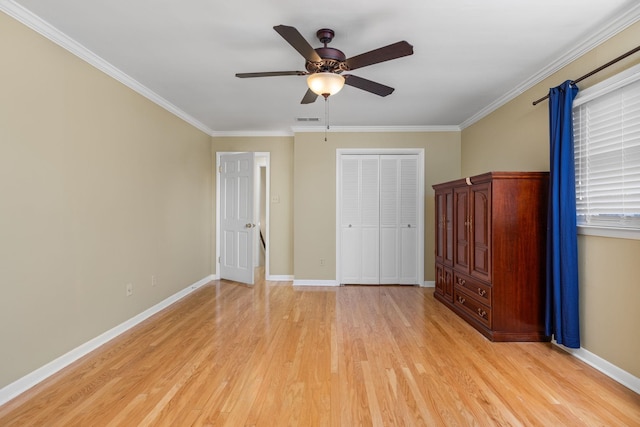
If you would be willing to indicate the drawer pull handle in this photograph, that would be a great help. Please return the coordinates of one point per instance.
(461, 300)
(461, 282)
(482, 313)
(481, 292)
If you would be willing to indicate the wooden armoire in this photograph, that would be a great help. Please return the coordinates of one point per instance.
(490, 252)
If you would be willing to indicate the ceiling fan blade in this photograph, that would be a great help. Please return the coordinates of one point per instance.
(295, 39)
(393, 51)
(368, 85)
(272, 74)
(309, 97)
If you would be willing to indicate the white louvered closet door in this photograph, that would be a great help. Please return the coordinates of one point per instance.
(379, 224)
(398, 219)
(360, 219)
(350, 239)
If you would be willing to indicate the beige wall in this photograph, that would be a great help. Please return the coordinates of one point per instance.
(99, 188)
(314, 206)
(515, 137)
(281, 213)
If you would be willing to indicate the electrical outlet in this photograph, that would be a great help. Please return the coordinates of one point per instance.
(153, 281)
(322, 262)
(129, 289)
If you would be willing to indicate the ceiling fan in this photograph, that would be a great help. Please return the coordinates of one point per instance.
(325, 65)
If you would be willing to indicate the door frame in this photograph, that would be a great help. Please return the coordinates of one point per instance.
(261, 158)
(421, 197)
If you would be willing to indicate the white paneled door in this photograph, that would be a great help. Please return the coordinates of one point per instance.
(237, 224)
(379, 219)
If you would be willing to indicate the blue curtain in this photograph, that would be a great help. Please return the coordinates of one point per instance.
(562, 306)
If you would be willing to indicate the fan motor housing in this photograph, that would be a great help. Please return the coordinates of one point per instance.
(332, 61)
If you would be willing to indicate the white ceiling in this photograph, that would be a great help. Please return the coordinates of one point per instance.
(470, 55)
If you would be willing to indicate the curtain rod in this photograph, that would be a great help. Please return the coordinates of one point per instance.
(597, 70)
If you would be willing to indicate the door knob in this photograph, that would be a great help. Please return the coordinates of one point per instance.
(249, 225)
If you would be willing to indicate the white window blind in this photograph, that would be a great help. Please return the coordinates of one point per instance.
(607, 154)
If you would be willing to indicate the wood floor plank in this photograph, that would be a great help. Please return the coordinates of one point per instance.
(275, 355)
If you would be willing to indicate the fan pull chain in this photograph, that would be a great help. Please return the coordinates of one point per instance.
(326, 116)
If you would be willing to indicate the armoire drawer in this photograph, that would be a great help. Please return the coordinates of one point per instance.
(473, 308)
(480, 291)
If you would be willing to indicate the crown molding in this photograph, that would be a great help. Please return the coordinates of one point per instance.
(374, 129)
(336, 129)
(608, 30)
(47, 30)
(250, 133)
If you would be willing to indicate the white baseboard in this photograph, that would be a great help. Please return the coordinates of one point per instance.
(620, 375)
(316, 283)
(279, 278)
(426, 284)
(25, 383)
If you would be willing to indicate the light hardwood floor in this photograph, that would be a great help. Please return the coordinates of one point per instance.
(276, 355)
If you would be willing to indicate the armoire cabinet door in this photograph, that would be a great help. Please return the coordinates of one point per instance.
(444, 226)
(441, 245)
(472, 210)
(480, 226)
(448, 232)
(461, 227)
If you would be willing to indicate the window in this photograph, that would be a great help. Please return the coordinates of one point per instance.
(606, 124)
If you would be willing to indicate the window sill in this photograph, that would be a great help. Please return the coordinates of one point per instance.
(617, 233)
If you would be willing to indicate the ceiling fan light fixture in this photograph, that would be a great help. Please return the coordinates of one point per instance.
(325, 83)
